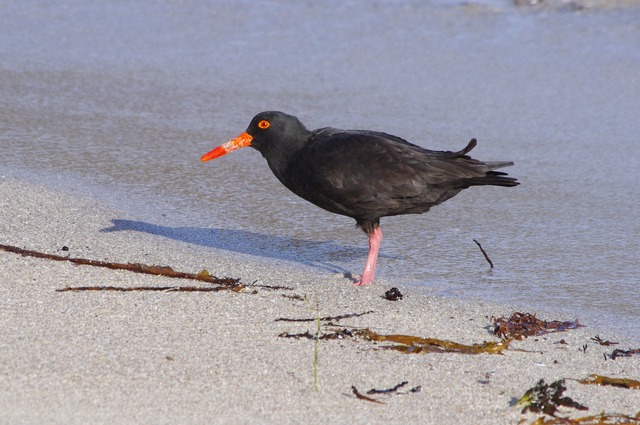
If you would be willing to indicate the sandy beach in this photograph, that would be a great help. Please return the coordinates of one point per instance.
(106, 108)
(216, 357)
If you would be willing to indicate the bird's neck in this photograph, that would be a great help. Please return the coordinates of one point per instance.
(282, 153)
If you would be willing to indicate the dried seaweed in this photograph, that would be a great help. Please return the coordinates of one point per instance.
(520, 325)
(603, 342)
(486, 257)
(393, 294)
(616, 382)
(237, 288)
(408, 344)
(388, 390)
(165, 271)
(326, 319)
(547, 398)
(413, 344)
(394, 390)
(306, 335)
(622, 353)
(294, 297)
(270, 287)
(361, 396)
(339, 334)
(601, 419)
(226, 283)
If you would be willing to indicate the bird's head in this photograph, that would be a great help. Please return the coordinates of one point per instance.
(268, 132)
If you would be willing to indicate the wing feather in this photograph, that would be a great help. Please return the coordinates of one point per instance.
(369, 174)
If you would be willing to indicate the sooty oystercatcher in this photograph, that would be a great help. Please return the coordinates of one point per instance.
(362, 174)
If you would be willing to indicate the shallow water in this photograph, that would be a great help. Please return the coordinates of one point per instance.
(122, 99)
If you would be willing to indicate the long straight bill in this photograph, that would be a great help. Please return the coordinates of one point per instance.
(241, 141)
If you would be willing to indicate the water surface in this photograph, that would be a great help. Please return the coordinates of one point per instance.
(121, 99)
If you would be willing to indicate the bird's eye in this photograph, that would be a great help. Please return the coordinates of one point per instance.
(264, 124)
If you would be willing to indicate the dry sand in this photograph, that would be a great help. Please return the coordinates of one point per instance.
(215, 357)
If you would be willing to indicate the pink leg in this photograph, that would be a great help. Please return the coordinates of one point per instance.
(370, 267)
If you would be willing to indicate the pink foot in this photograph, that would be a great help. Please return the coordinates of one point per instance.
(362, 282)
(370, 267)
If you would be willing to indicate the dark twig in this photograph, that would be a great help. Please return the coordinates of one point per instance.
(484, 253)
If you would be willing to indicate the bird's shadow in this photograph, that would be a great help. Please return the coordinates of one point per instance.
(321, 255)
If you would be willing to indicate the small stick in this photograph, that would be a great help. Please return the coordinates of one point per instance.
(484, 253)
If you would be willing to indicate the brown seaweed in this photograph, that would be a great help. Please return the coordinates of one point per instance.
(226, 283)
(616, 382)
(413, 344)
(393, 294)
(152, 288)
(520, 325)
(603, 342)
(406, 343)
(338, 334)
(601, 419)
(294, 297)
(394, 390)
(326, 318)
(547, 398)
(306, 335)
(361, 396)
(165, 271)
(622, 353)
(388, 390)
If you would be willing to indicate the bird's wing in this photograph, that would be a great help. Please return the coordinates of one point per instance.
(366, 168)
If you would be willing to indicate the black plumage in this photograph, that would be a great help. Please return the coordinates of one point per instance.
(362, 174)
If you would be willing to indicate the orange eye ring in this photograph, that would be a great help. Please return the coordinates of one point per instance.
(264, 124)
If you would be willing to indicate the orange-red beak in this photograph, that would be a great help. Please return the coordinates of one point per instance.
(241, 141)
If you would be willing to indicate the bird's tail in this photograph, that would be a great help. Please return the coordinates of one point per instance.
(493, 178)
(497, 165)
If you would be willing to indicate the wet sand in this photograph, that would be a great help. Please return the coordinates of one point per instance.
(216, 357)
(122, 101)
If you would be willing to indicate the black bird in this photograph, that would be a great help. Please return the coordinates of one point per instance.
(362, 174)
